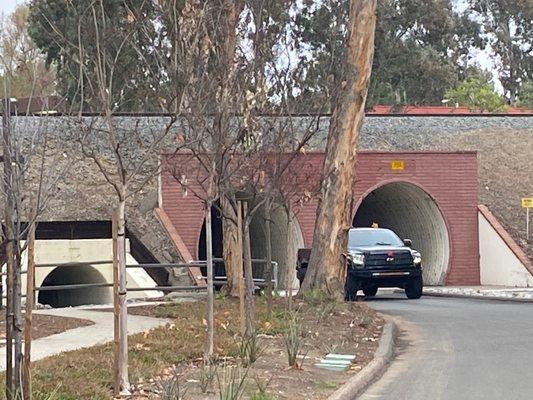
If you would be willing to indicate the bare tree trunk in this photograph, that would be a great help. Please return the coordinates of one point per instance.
(268, 269)
(30, 286)
(230, 11)
(10, 240)
(123, 379)
(208, 356)
(232, 253)
(248, 275)
(327, 267)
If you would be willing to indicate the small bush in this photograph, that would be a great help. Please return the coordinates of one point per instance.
(45, 396)
(170, 389)
(261, 393)
(294, 340)
(261, 396)
(250, 349)
(231, 382)
(327, 385)
(315, 297)
(207, 376)
(365, 321)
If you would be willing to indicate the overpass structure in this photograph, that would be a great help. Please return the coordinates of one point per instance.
(433, 199)
(430, 197)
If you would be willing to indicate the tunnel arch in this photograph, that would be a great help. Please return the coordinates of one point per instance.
(280, 227)
(411, 212)
(279, 235)
(74, 274)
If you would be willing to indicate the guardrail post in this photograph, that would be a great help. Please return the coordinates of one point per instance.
(30, 287)
(275, 274)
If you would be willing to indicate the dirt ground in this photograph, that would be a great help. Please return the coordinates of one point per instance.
(340, 328)
(45, 325)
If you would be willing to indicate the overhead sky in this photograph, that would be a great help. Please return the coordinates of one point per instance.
(6, 6)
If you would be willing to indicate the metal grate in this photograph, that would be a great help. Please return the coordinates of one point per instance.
(386, 259)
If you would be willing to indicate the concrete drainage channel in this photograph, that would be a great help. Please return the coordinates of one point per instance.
(374, 370)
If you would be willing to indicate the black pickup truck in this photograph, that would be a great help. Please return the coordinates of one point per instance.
(377, 257)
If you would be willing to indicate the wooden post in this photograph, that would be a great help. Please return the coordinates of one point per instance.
(527, 224)
(240, 271)
(17, 318)
(268, 274)
(8, 215)
(123, 377)
(289, 258)
(248, 275)
(30, 296)
(116, 310)
(208, 357)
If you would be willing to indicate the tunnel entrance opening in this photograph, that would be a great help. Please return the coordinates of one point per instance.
(411, 213)
(279, 236)
(217, 239)
(71, 275)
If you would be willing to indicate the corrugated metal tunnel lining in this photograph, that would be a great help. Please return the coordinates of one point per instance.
(411, 213)
(69, 275)
(278, 240)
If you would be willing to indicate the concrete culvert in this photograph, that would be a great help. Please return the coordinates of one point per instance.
(70, 275)
(411, 213)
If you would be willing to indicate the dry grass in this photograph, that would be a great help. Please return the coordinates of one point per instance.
(87, 373)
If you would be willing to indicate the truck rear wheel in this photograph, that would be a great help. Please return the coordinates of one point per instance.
(350, 289)
(370, 290)
(413, 288)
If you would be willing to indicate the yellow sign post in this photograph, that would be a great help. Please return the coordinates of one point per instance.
(527, 203)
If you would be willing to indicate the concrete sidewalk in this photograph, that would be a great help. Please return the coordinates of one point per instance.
(99, 333)
(482, 292)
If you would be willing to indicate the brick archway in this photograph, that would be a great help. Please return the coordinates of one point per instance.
(448, 178)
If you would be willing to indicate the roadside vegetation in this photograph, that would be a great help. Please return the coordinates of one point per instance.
(169, 359)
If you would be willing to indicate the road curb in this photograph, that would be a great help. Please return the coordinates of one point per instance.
(374, 369)
(467, 296)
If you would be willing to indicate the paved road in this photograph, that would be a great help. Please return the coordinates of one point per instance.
(458, 349)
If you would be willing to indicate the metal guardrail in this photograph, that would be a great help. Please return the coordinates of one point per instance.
(73, 286)
(106, 285)
(216, 279)
(167, 265)
(75, 264)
